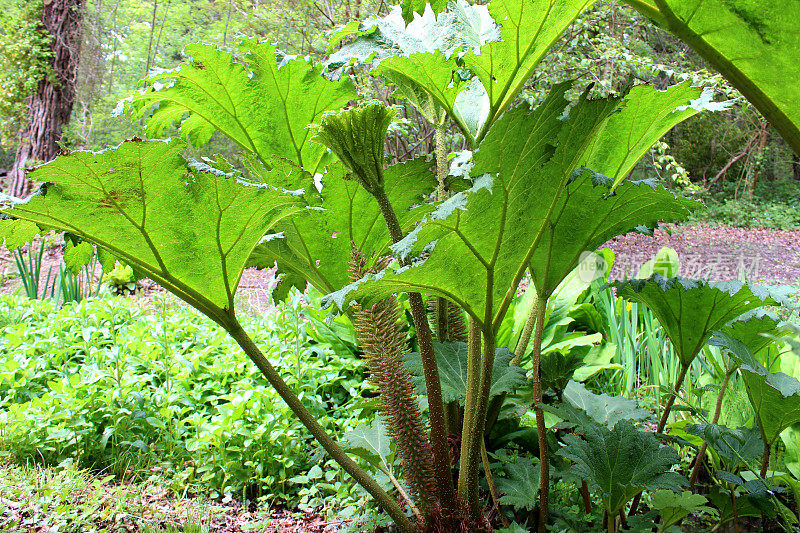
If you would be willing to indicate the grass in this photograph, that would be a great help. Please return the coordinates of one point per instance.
(35, 498)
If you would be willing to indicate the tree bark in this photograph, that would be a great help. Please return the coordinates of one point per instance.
(763, 133)
(51, 105)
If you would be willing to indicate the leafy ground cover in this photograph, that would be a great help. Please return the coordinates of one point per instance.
(116, 385)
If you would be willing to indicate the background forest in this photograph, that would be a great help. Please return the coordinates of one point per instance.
(732, 159)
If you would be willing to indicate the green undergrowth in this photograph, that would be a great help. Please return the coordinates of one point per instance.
(772, 206)
(139, 394)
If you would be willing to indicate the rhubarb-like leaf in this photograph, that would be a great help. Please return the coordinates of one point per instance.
(315, 245)
(646, 117)
(189, 230)
(463, 26)
(451, 358)
(753, 44)
(691, 310)
(528, 30)
(621, 462)
(588, 214)
(737, 447)
(486, 235)
(16, 233)
(371, 442)
(775, 396)
(674, 507)
(521, 488)
(357, 136)
(756, 330)
(603, 409)
(263, 105)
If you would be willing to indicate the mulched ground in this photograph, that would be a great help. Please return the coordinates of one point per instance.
(718, 253)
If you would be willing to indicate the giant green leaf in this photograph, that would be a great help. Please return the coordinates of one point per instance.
(737, 447)
(371, 442)
(16, 233)
(753, 44)
(528, 30)
(589, 214)
(603, 409)
(621, 462)
(189, 230)
(315, 245)
(431, 82)
(485, 236)
(673, 507)
(647, 115)
(756, 329)
(521, 488)
(691, 310)
(451, 358)
(775, 396)
(262, 106)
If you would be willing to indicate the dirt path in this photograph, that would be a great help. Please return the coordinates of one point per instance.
(715, 252)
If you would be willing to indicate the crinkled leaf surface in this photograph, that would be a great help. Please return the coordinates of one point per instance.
(646, 117)
(315, 246)
(603, 409)
(262, 106)
(370, 442)
(528, 30)
(77, 255)
(357, 137)
(753, 44)
(738, 447)
(451, 358)
(521, 488)
(775, 396)
(691, 310)
(485, 236)
(16, 233)
(674, 507)
(756, 329)
(621, 462)
(432, 83)
(190, 231)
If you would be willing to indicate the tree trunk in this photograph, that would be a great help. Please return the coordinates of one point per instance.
(759, 164)
(796, 166)
(51, 105)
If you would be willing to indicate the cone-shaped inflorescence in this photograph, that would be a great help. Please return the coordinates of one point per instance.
(455, 326)
(383, 343)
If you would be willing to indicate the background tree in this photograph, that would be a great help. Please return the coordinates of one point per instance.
(51, 104)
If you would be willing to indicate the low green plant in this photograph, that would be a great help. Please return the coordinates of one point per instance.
(29, 267)
(96, 391)
(120, 280)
